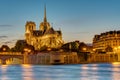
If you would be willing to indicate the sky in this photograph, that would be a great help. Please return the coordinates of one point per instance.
(77, 19)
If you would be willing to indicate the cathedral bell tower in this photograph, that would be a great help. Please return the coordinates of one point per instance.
(29, 28)
(44, 26)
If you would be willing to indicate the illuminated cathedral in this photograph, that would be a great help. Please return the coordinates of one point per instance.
(46, 36)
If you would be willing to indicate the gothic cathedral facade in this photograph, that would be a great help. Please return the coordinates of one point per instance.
(46, 36)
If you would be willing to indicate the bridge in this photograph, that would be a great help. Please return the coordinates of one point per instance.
(8, 55)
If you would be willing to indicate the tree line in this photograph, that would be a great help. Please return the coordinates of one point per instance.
(19, 47)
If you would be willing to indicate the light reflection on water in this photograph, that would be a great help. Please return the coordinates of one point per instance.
(60, 72)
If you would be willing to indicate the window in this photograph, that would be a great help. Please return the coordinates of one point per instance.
(56, 61)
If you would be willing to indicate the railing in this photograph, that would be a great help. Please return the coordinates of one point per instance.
(11, 53)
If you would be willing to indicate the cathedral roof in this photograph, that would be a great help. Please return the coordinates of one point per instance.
(59, 32)
(37, 33)
(50, 31)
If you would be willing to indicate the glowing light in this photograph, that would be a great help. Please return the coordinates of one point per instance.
(84, 49)
(4, 49)
(118, 47)
(27, 50)
(94, 49)
(49, 49)
(115, 48)
(116, 63)
(26, 66)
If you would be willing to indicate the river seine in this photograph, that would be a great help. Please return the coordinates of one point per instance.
(103, 71)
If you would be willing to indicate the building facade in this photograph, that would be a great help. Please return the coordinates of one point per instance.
(107, 40)
(53, 58)
(46, 36)
(108, 57)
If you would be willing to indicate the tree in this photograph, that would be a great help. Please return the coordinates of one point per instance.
(82, 46)
(71, 46)
(66, 46)
(74, 46)
(4, 48)
(19, 46)
(30, 47)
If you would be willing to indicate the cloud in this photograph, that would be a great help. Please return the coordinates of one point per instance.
(7, 42)
(10, 43)
(6, 25)
(1, 37)
(77, 32)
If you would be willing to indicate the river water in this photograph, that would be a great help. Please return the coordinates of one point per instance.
(103, 71)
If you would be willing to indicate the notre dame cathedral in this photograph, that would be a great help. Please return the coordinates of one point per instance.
(46, 36)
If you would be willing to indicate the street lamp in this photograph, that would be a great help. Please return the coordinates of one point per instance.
(27, 50)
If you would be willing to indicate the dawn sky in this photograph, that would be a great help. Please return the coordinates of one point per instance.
(78, 19)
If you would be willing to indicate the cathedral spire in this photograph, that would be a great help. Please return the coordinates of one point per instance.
(45, 18)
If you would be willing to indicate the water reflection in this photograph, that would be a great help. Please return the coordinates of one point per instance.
(12, 61)
(89, 71)
(116, 70)
(27, 72)
(60, 72)
(3, 72)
